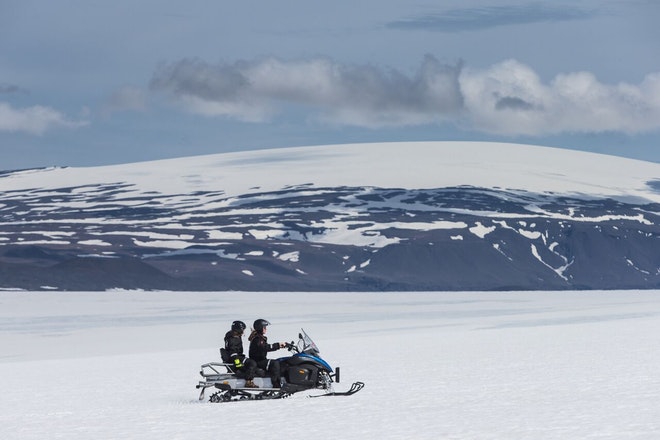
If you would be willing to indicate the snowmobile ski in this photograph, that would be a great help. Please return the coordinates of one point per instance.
(355, 387)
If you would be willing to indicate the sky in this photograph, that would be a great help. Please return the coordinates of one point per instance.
(91, 82)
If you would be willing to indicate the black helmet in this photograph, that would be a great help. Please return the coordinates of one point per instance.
(259, 324)
(238, 326)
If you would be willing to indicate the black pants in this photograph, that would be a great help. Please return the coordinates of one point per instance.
(272, 367)
(248, 369)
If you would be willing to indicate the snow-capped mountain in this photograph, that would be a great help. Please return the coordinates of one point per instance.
(390, 216)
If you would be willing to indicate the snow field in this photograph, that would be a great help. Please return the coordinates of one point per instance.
(507, 365)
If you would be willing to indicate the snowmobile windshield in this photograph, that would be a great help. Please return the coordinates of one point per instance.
(308, 346)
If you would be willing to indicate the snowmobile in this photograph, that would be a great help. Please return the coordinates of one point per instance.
(303, 370)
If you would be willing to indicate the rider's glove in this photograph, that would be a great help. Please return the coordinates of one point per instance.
(238, 363)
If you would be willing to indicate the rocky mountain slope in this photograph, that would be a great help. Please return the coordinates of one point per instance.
(392, 216)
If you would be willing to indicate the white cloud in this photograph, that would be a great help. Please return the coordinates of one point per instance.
(508, 98)
(33, 120)
(359, 95)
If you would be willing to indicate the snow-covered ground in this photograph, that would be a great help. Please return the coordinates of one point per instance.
(542, 365)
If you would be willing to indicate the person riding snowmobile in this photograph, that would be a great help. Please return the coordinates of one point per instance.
(259, 348)
(234, 349)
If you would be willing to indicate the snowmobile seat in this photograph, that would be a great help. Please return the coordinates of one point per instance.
(226, 359)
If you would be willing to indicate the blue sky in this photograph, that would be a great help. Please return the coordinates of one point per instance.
(92, 82)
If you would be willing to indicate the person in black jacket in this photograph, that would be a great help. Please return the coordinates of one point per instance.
(234, 349)
(259, 348)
